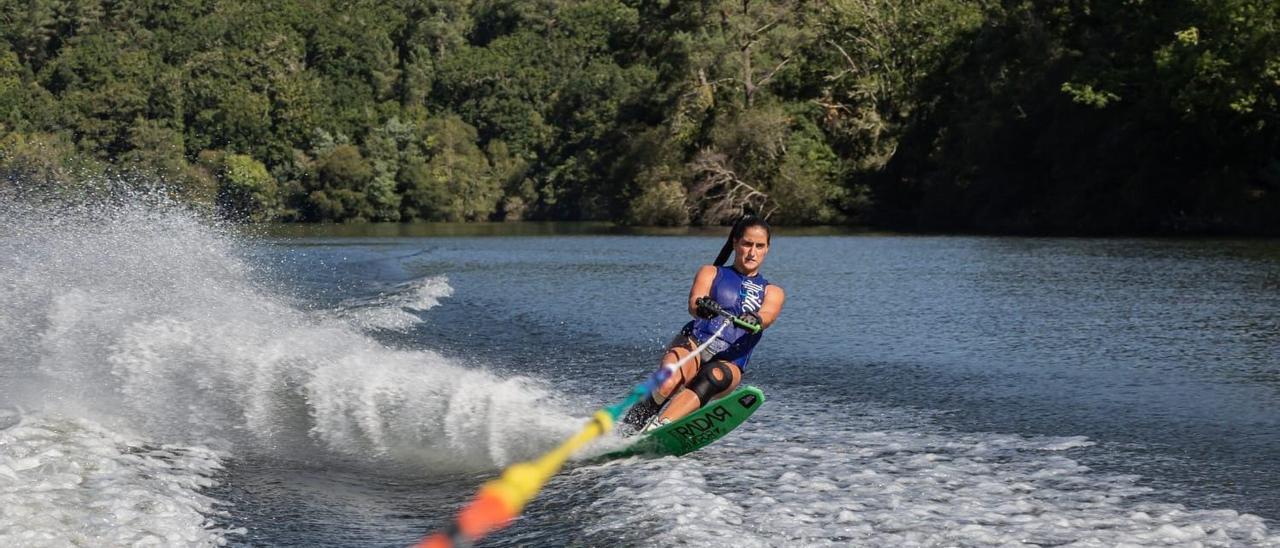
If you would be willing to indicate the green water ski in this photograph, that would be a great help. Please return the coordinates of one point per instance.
(699, 428)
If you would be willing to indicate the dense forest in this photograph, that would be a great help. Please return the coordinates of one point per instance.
(1058, 116)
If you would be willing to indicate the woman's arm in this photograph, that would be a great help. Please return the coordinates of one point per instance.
(773, 298)
(701, 287)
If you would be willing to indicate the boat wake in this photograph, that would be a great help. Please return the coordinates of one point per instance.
(140, 325)
(887, 477)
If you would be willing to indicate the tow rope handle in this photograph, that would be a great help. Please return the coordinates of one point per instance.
(709, 304)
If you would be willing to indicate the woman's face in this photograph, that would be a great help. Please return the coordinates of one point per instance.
(750, 249)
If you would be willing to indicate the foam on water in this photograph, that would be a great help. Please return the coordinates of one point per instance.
(142, 317)
(398, 307)
(67, 482)
(808, 480)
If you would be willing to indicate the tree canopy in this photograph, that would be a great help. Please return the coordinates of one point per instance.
(1074, 116)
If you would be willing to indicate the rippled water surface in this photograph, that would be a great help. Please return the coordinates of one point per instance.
(339, 387)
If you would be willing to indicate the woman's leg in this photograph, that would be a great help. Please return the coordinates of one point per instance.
(681, 376)
(713, 380)
(646, 408)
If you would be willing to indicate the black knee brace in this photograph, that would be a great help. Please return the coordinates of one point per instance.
(706, 384)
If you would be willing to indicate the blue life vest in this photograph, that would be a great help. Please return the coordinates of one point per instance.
(736, 294)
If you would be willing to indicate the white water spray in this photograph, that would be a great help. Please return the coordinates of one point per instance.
(138, 325)
(144, 314)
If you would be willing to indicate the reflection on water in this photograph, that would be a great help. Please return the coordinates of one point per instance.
(441, 230)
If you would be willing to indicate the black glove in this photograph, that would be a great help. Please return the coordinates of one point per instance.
(750, 317)
(707, 308)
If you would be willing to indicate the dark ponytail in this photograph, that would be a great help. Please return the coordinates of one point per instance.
(740, 228)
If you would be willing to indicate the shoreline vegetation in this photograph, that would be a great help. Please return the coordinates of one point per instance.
(437, 229)
(1076, 117)
(474, 229)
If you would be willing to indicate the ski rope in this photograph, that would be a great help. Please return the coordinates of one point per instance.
(501, 499)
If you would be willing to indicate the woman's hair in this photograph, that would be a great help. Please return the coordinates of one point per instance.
(740, 228)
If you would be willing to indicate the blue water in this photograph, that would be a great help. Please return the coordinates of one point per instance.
(356, 389)
(1161, 352)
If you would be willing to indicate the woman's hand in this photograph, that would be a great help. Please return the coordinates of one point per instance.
(708, 308)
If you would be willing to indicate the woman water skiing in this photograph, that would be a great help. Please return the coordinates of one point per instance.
(719, 293)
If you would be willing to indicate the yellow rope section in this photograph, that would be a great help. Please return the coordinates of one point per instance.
(502, 499)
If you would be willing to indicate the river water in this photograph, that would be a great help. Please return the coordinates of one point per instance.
(169, 382)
